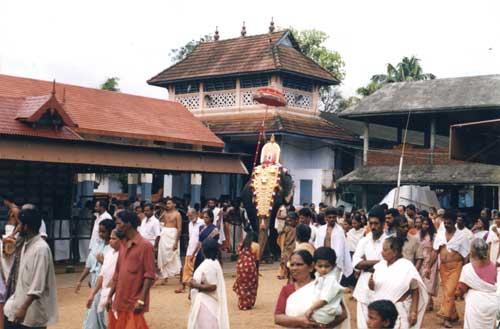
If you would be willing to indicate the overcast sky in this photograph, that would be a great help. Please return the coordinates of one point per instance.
(83, 42)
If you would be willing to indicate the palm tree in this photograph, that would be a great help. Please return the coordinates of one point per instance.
(408, 69)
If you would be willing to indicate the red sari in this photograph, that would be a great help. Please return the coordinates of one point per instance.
(247, 278)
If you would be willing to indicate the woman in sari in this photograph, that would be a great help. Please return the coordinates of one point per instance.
(427, 272)
(297, 297)
(247, 274)
(397, 280)
(95, 318)
(208, 231)
(208, 292)
(478, 282)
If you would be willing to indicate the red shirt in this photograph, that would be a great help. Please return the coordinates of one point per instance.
(286, 291)
(135, 263)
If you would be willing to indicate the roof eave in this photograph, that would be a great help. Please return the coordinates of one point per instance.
(166, 83)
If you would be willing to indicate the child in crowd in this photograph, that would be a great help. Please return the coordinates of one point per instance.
(302, 237)
(382, 314)
(328, 290)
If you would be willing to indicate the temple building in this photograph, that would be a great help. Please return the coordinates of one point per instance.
(468, 107)
(56, 138)
(216, 83)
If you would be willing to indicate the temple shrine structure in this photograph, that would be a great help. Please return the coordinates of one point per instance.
(216, 82)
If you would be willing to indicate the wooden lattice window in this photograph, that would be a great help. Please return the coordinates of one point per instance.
(254, 81)
(296, 82)
(187, 87)
(219, 84)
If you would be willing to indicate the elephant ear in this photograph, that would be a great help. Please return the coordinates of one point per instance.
(287, 186)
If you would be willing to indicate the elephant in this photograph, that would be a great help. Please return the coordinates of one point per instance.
(283, 196)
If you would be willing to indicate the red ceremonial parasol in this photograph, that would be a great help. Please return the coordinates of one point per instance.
(268, 96)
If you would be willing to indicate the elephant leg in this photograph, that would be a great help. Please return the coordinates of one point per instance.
(263, 229)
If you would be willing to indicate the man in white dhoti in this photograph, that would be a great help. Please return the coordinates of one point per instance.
(101, 208)
(169, 260)
(396, 279)
(493, 239)
(478, 282)
(208, 292)
(368, 253)
(333, 236)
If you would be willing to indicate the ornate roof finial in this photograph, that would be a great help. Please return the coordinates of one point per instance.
(271, 26)
(243, 30)
(216, 35)
(54, 87)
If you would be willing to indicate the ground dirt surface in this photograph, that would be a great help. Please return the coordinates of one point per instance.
(170, 310)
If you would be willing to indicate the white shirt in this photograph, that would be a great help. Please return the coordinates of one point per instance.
(314, 231)
(370, 250)
(95, 230)
(337, 243)
(468, 233)
(494, 242)
(43, 230)
(150, 229)
(219, 222)
(353, 237)
(194, 236)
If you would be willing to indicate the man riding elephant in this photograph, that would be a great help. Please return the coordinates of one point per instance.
(270, 187)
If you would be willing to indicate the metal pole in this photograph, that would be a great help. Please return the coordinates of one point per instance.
(396, 195)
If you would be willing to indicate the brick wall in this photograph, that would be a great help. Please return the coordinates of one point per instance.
(414, 155)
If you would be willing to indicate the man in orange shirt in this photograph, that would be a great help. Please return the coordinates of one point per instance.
(134, 276)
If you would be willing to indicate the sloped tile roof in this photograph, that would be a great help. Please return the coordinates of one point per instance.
(104, 113)
(456, 173)
(429, 96)
(243, 55)
(293, 124)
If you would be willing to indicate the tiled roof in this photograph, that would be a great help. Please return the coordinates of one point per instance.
(103, 113)
(293, 124)
(243, 55)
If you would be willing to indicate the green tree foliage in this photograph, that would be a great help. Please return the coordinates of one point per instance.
(311, 43)
(409, 69)
(178, 54)
(111, 84)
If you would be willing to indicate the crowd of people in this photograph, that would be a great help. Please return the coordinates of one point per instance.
(392, 262)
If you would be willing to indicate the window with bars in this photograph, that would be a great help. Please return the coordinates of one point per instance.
(187, 87)
(297, 83)
(219, 84)
(254, 81)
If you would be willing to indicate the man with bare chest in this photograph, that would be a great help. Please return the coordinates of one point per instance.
(169, 261)
(452, 247)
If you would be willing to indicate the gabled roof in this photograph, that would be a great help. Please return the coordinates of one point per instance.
(100, 113)
(270, 52)
(34, 107)
(429, 96)
(278, 123)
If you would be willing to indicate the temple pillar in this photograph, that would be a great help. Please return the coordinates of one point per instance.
(433, 138)
(85, 188)
(366, 142)
(195, 189)
(167, 186)
(146, 186)
(133, 180)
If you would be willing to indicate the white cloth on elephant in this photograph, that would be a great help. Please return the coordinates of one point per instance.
(209, 309)
(339, 244)
(393, 281)
(169, 261)
(481, 300)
